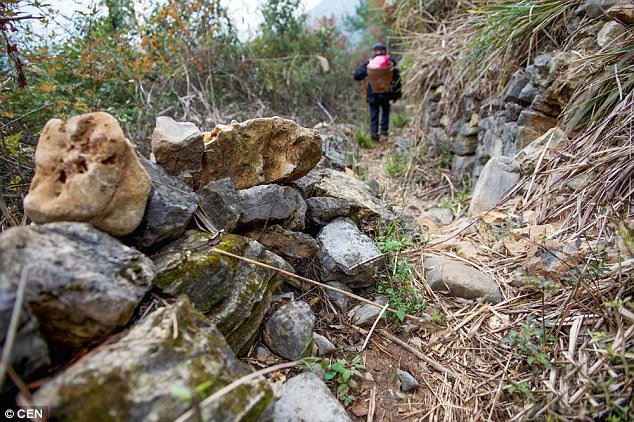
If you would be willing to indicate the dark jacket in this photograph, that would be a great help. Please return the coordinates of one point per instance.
(394, 94)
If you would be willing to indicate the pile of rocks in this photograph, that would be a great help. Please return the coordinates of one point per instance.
(111, 226)
(263, 191)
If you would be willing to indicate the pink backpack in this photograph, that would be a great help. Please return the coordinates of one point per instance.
(381, 61)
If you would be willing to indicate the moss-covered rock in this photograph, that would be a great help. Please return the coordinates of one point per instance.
(173, 348)
(233, 293)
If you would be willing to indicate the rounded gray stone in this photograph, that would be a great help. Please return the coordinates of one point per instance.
(289, 331)
(454, 278)
(307, 398)
(408, 382)
(324, 346)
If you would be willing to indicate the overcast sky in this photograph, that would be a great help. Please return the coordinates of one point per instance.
(243, 12)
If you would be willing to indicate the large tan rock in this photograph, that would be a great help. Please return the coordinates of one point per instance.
(260, 151)
(86, 170)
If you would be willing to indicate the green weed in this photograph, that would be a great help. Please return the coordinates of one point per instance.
(533, 342)
(343, 373)
(399, 120)
(457, 204)
(397, 164)
(397, 280)
(503, 229)
(363, 139)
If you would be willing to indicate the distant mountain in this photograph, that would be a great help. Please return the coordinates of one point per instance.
(338, 8)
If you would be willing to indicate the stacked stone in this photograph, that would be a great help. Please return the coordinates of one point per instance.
(98, 208)
(501, 126)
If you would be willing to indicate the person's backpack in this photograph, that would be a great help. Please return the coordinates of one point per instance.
(380, 74)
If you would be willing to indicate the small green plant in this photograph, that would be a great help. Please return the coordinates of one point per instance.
(503, 229)
(522, 388)
(617, 303)
(343, 373)
(397, 164)
(458, 203)
(393, 244)
(619, 414)
(532, 341)
(397, 280)
(363, 139)
(402, 295)
(399, 120)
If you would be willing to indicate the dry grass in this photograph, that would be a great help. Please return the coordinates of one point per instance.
(475, 46)
(587, 349)
(589, 187)
(421, 182)
(559, 346)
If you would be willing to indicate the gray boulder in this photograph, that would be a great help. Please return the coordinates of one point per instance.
(539, 70)
(610, 33)
(234, 294)
(366, 313)
(178, 147)
(316, 369)
(273, 203)
(499, 175)
(374, 186)
(514, 88)
(289, 331)
(284, 242)
(82, 284)
(307, 398)
(528, 93)
(169, 209)
(173, 348)
(462, 166)
(322, 210)
(535, 120)
(441, 216)
(306, 185)
(596, 8)
(220, 202)
(464, 145)
(454, 278)
(544, 148)
(406, 221)
(347, 255)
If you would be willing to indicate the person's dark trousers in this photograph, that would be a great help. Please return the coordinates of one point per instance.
(382, 105)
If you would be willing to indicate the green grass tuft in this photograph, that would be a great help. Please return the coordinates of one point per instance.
(363, 139)
(399, 120)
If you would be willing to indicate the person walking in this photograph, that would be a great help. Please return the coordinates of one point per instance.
(384, 86)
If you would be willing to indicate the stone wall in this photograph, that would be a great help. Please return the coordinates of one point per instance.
(530, 104)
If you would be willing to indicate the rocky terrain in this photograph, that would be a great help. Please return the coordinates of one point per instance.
(258, 272)
(166, 272)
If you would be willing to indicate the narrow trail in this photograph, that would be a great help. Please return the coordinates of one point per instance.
(403, 180)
